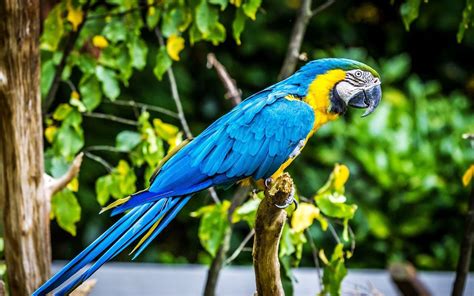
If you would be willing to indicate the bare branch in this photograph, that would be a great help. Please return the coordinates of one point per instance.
(233, 93)
(322, 7)
(240, 247)
(174, 92)
(53, 185)
(70, 43)
(111, 117)
(297, 34)
(269, 224)
(85, 288)
(146, 106)
(100, 160)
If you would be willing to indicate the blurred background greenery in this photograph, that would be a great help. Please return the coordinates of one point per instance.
(406, 159)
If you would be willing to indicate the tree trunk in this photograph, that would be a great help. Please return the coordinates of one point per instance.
(22, 195)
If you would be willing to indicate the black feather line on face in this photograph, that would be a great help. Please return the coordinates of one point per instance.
(338, 106)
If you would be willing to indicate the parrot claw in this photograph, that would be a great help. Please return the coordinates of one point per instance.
(268, 182)
(290, 200)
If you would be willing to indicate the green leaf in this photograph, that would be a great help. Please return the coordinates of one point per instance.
(53, 29)
(222, 3)
(331, 205)
(47, 76)
(89, 88)
(238, 25)
(409, 11)
(247, 212)
(152, 18)
(194, 34)
(1, 244)
(110, 86)
(206, 17)
(163, 62)
(250, 8)
(212, 226)
(62, 112)
(138, 51)
(127, 140)
(467, 20)
(217, 34)
(66, 209)
(175, 21)
(102, 189)
(334, 272)
(86, 63)
(115, 30)
(396, 68)
(68, 141)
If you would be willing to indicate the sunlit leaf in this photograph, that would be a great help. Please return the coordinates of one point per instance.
(75, 16)
(50, 132)
(238, 25)
(250, 8)
(100, 41)
(48, 70)
(304, 216)
(378, 224)
(62, 112)
(247, 212)
(467, 177)
(68, 141)
(66, 210)
(115, 31)
(174, 45)
(53, 29)
(152, 18)
(102, 189)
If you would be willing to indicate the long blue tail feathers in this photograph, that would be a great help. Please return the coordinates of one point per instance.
(151, 218)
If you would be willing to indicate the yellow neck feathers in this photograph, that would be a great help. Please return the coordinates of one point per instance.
(319, 94)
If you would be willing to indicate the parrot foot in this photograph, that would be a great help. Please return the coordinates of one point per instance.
(291, 199)
(268, 182)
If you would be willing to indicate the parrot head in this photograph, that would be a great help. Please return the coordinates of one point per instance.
(344, 83)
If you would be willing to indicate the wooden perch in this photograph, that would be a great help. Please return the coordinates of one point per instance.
(53, 186)
(404, 277)
(268, 228)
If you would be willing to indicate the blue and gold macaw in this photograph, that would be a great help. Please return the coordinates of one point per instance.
(258, 139)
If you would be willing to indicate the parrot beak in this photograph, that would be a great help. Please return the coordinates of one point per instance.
(368, 99)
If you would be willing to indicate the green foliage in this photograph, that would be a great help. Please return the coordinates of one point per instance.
(409, 11)
(119, 183)
(213, 225)
(467, 19)
(66, 210)
(334, 272)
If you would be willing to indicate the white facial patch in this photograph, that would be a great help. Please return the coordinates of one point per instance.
(346, 91)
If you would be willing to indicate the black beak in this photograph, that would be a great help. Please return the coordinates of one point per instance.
(368, 99)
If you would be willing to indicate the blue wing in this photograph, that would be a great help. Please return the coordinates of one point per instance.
(253, 140)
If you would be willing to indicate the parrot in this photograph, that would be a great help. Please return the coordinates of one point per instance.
(258, 139)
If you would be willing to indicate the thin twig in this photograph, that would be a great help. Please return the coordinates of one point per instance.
(105, 148)
(322, 7)
(239, 249)
(55, 185)
(305, 13)
(146, 106)
(233, 93)
(179, 107)
(314, 251)
(174, 91)
(100, 160)
(334, 233)
(111, 117)
(70, 43)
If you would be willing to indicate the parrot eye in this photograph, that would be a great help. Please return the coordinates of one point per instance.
(358, 73)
